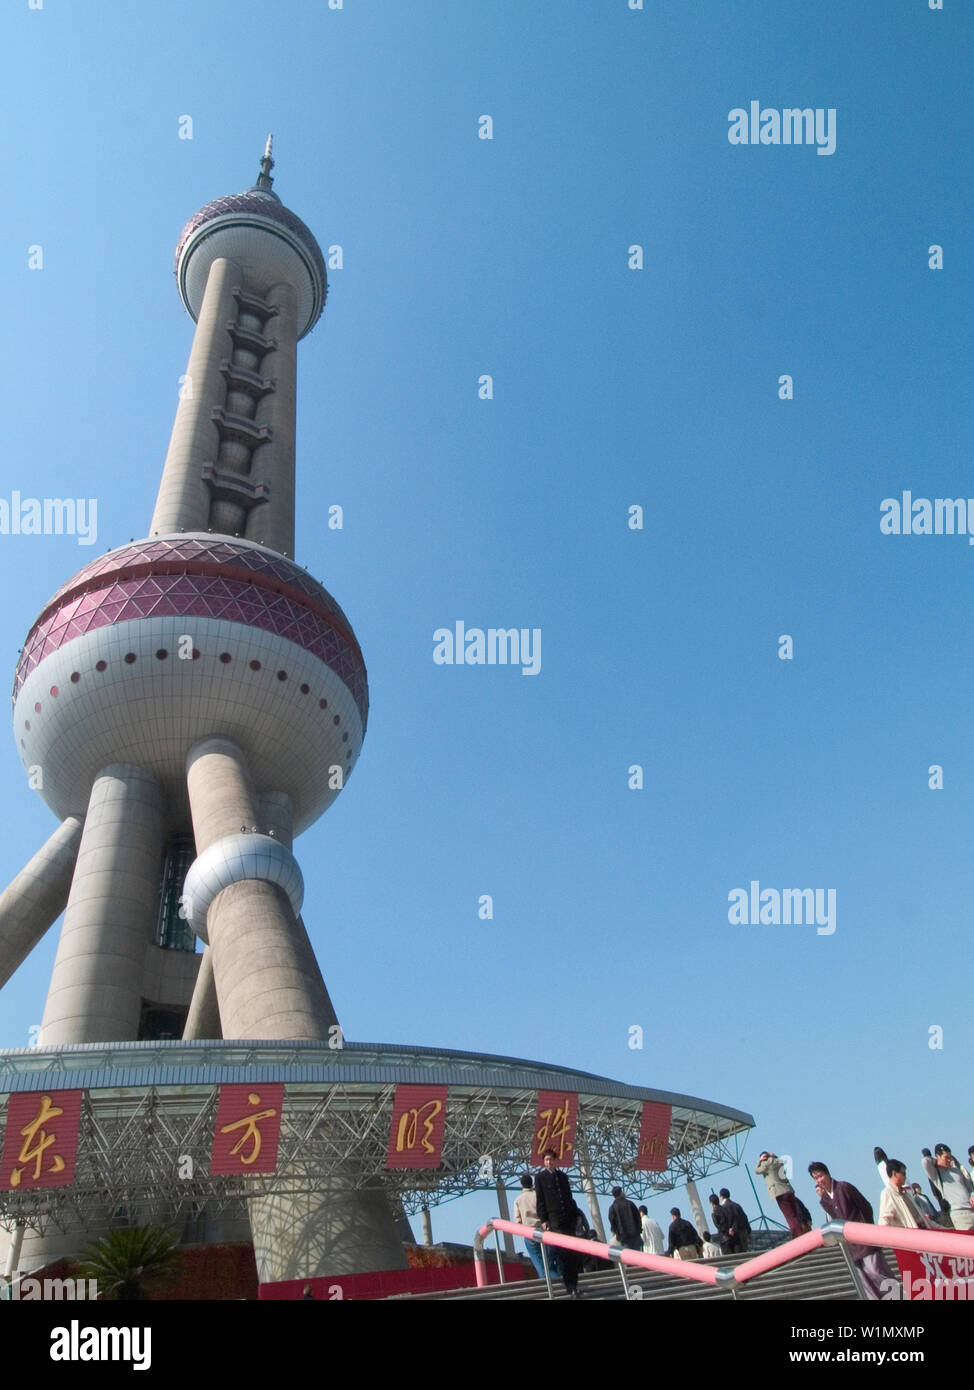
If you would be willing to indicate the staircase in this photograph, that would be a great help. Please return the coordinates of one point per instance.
(822, 1275)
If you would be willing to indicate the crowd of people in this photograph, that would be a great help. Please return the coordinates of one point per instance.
(547, 1200)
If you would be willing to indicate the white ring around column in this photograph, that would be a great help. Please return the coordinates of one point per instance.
(237, 859)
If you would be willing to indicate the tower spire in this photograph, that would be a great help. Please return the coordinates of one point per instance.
(264, 180)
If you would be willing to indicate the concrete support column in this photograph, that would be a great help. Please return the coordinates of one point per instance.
(203, 1019)
(96, 984)
(276, 817)
(37, 896)
(269, 986)
(13, 1251)
(335, 1229)
(696, 1206)
(504, 1211)
(588, 1184)
(260, 952)
(222, 797)
(427, 1226)
(272, 522)
(183, 503)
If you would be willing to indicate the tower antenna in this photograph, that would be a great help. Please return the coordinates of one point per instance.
(264, 180)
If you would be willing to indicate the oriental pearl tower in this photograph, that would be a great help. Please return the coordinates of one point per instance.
(188, 703)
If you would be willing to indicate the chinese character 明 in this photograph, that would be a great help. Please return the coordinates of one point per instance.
(554, 1126)
(35, 1135)
(250, 1131)
(408, 1122)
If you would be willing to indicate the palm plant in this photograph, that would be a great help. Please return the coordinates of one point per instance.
(127, 1260)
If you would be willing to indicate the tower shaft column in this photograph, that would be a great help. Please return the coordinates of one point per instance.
(260, 952)
(203, 1019)
(272, 522)
(277, 819)
(96, 984)
(183, 502)
(269, 986)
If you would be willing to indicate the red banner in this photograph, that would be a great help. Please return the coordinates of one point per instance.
(248, 1128)
(416, 1132)
(554, 1127)
(936, 1278)
(654, 1136)
(41, 1142)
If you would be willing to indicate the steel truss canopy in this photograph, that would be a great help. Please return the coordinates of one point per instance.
(148, 1114)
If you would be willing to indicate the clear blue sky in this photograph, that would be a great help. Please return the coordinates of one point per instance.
(612, 387)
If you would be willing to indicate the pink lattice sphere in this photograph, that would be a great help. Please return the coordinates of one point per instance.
(165, 641)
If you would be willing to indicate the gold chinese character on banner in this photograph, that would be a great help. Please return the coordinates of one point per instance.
(409, 1123)
(36, 1143)
(251, 1131)
(554, 1126)
(654, 1147)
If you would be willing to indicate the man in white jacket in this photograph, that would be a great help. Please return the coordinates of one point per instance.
(653, 1243)
(897, 1206)
(952, 1180)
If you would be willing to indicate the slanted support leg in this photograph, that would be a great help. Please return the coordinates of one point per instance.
(37, 896)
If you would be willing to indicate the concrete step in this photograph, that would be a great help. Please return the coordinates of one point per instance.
(822, 1275)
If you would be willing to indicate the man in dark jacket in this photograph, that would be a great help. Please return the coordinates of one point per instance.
(683, 1238)
(626, 1223)
(557, 1211)
(846, 1203)
(720, 1219)
(740, 1227)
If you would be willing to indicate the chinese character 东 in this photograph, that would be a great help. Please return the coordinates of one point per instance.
(250, 1129)
(37, 1141)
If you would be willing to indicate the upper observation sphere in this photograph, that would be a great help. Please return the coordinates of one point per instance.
(265, 238)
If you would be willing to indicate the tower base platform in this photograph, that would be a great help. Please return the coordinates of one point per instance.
(146, 1140)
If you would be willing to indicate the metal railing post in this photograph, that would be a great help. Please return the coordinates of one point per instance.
(615, 1253)
(545, 1267)
(500, 1262)
(856, 1276)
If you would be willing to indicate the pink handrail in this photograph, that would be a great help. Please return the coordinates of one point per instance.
(703, 1274)
(856, 1233)
(905, 1238)
(779, 1255)
(852, 1232)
